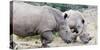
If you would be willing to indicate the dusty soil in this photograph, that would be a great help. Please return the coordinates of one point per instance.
(34, 41)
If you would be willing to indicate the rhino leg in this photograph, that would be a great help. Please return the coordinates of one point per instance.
(74, 31)
(75, 39)
(46, 38)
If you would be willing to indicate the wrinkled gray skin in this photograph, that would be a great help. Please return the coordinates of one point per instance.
(76, 22)
(31, 20)
(85, 38)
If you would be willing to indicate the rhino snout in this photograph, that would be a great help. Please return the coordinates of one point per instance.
(68, 41)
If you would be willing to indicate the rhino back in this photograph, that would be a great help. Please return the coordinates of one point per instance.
(25, 18)
(28, 19)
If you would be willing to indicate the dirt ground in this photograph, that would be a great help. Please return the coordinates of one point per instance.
(34, 41)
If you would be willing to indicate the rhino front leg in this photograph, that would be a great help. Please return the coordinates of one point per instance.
(46, 38)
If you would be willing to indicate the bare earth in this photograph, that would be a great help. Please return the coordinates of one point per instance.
(34, 41)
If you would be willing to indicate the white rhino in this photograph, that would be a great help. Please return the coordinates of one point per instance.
(31, 20)
(77, 24)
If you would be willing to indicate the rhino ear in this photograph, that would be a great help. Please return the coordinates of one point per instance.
(65, 16)
(83, 21)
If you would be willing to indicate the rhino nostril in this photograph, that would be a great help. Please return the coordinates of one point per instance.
(68, 41)
(86, 42)
(66, 31)
(90, 39)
